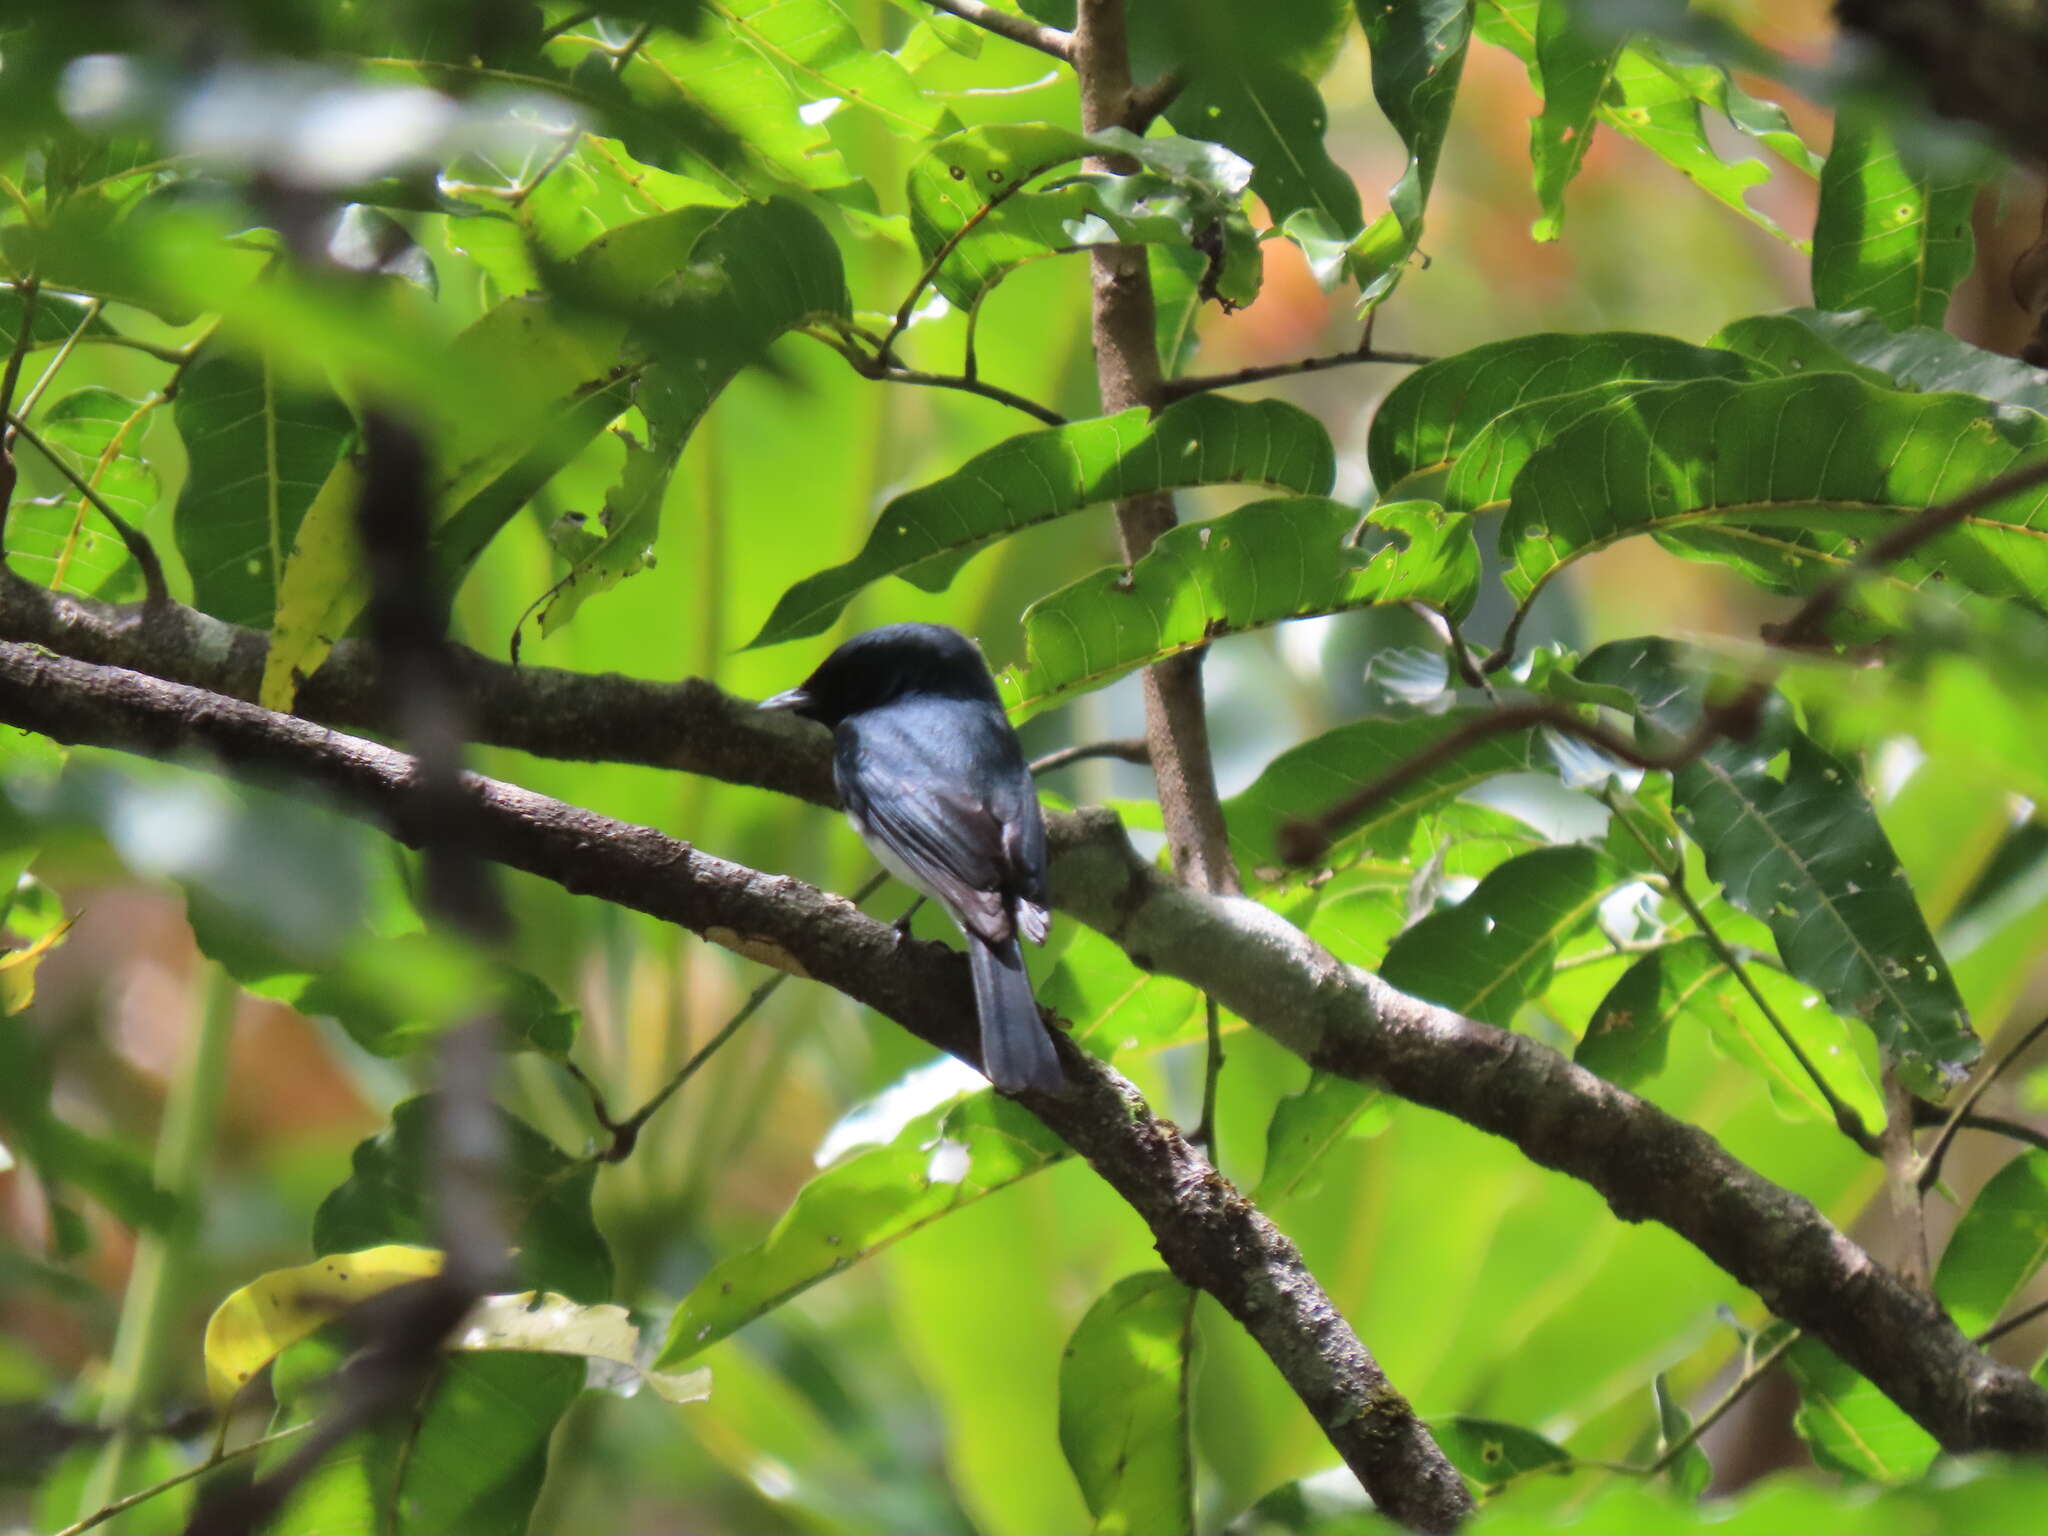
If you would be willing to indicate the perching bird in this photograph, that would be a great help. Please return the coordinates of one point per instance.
(935, 783)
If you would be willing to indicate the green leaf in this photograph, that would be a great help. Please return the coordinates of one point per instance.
(1306, 780)
(818, 50)
(1482, 478)
(1890, 237)
(1274, 117)
(1124, 1405)
(1629, 1035)
(1707, 467)
(1430, 418)
(938, 1163)
(1111, 1005)
(1691, 1472)
(1575, 63)
(1849, 1425)
(754, 272)
(388, 1198)
(1418, 53)
(1494, 950)
(62, 542)
(1800, 848)
(1306, 1124)
(716, 81)
(1261, 565)
(1998, 1246)
(1917, 358)
(926, 534)
(260, 450)
(1185, 193)
(397, 994)
(56, 316)
(1492, 1453)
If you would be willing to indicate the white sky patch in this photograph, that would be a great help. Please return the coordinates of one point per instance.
(812, 113)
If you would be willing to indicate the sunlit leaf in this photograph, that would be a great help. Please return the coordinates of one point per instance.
(924, 535)
(274, 1311)
(1112, 1005)
(1574, 63)
(1700, 465)
(1260, 565)
(938, 1163)
(1998, 1246)
(18, 967)
(1305, 781)
(551, 1324)
(1492, 1453)
(1431, 417)
(1691, 1472)
(1493, 951)
(1418, 53)
(1305, 1125)
(1918, 357)
(1890, 237)
(1124, 1405)
(817, 47)
(1849, 1425)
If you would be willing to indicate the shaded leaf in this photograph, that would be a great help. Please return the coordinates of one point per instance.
(1492, 1453)
(260, 450)
(1259, 565)
(1430, 418)
(1494, 950)
(817, 48)
(1305, 780)
(62, 541)
(939, 1162)
(1890, 237)
(56, 316)
(1627, 1038)
(1849, 1425)
(926, 534)
(1418, 53)
(1124, 1405)
(387, 1198)
(1801, 849)
(1691, 1472)
(1306, 1124)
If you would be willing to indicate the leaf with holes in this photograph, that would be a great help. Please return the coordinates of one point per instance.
(969, 198)
(1890, 237)
(1917, 358)
(1431, 417)
(1305, 781)
(925, 535)
(938, 1163)
(1786, 479)
(1124, 1395)
(1261, 565)
(260, 450)
(1492, 1453)
(1494, 950)
(1418, 53)
(1799, 848)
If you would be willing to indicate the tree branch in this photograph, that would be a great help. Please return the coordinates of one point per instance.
(1018, 29)
(1195, 384)
(1210, 1236)
(1128, 374)
(1646, 1164)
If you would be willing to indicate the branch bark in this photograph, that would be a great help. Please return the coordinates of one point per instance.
(1128, 374)
(1647, 1165)
(1210, 1236)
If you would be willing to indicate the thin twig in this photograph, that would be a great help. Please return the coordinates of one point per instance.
(966, 386)
(199, 1469)
(1719, 1411)
(156, 592)
(1303, 842)
(2017, 1321)
(1204, 1135)
(9, 476)
(63, 355)
(1195, 384)
(1131, 749)
(1009, 24)
(1930, 1166)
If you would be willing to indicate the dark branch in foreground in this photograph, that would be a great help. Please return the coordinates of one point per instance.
(1210, 1236)
(1645, 1163)
(1201, 383)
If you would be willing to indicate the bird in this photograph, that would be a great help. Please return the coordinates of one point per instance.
(934, 782)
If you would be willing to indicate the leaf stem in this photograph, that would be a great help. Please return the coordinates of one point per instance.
(1195, 384)
(198, 1469)
(49, 373)
(1930, 1166)
(1735, 1394)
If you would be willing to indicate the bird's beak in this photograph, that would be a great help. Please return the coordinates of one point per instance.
(789, 699)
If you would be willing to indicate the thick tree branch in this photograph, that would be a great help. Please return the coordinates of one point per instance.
(1128, 374)
(1209, 1235)
(1645, 1163)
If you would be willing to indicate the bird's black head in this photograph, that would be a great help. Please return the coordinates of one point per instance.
(886, 664)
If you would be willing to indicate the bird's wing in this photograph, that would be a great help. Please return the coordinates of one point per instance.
(947, 843)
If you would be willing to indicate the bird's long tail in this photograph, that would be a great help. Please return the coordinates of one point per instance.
(1016, 1051)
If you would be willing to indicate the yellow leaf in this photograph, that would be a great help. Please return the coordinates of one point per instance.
(18, 968)
(253, 1326)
